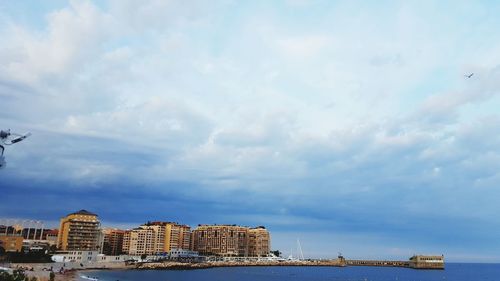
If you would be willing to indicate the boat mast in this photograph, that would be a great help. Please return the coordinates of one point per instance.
(299, 249)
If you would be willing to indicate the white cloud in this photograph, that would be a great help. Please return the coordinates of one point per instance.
(359, 107)
(305, 99)
(303, 47)
(69, 35)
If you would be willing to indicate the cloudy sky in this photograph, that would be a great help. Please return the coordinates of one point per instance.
(349, 125)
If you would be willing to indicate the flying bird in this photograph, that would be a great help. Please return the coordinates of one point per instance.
(470, 75)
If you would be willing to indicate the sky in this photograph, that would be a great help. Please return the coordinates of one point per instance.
(349, 125)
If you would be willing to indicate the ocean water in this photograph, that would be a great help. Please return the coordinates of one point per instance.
(453, 272)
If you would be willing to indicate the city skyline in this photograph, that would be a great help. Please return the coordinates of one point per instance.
(82, 231)
(353, 126)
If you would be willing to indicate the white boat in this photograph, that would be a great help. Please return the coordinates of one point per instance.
(5, 269)
(89, 278)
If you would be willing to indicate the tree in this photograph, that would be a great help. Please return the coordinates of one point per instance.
(276, 253)
(30, 257)
(17, 275)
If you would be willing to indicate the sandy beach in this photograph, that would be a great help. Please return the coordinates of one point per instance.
(63, 271)
(42, 271)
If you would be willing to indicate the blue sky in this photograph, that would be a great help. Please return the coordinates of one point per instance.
(347, 124)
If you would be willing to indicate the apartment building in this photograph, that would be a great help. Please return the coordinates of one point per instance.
(156, 237)
(259, 242)
(80, 231)
(113, 241)
(230, 240)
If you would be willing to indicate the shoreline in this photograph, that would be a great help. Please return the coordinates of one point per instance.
(63, 271)
(69, 271)
(43, 275)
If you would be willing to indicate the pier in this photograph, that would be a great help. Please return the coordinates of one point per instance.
(416, 262)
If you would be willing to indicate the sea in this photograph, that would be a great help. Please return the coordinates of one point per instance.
(453, 272)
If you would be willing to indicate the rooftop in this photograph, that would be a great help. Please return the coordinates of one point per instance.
(84, 212)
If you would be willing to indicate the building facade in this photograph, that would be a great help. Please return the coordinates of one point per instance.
(259, 242)
(427, 262)
(80, 231)
(140, 241)
(11, 243)
(51, 237)
(230, 240)
(86, 257)
(155, 238)
(177, 237)
(113, 242)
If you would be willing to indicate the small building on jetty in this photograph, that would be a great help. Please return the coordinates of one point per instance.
(427, 262)
(416, 262)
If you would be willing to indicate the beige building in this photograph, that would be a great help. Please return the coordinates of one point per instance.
(259, 242)
(156, 237)
(230, 240)
(177, 237)
(141, 240)
(80, 231)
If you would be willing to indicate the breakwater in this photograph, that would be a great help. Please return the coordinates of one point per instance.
(455, 272)
(416, 262)
(202, 265)
(388, 263)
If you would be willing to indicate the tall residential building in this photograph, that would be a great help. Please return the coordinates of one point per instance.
(80, 231)
(177, 236)
(141, 240)
(230, 240)
(113, 242)
(259, 242)
(156, 237)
